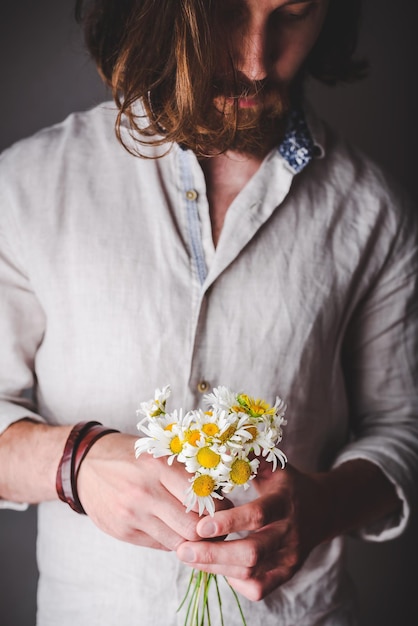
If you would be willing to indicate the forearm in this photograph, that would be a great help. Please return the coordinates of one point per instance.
(29, 458)
(356, 493)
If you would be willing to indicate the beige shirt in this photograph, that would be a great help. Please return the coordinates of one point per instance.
(111, 286)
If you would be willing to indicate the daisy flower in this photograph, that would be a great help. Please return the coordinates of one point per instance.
(242, 470)
(204, 456)
(165, 436)
(255, 407)
(208, 423)
(201, 425)
(221, 398)
(156, 406)
(280, 409)
(227, 425)
(202, 490)
(274, 455)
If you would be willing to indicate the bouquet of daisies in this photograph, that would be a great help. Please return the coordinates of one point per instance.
(219, 447)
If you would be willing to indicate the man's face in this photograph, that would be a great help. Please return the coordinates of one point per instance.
(269, 42)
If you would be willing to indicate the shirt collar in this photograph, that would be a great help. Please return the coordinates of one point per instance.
(303, 140)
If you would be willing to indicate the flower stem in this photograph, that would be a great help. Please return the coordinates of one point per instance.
(197, 594)
(237, 601)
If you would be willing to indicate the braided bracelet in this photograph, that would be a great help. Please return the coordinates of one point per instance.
(79, 442)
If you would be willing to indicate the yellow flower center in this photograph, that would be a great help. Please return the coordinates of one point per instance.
(176, 445)
(210, 429)
(240, 471)
(169, 426)
(193, 436)
(227, 434)
(159, 408)
(208, 458)
(203, 486)
(252, 430)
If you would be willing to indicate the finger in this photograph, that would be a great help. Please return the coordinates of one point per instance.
(258, 588)
(164, 499)
(135, 523)
(170, 525)
(239, 557)
(139, 538)
(247, 517)
(281, 565)
(240, 572)
(174, 478)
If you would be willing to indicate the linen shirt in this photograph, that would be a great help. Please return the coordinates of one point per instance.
(111, 286)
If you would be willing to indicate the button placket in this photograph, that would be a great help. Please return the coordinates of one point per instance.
(193, 219)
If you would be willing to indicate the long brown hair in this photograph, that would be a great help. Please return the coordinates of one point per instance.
(163, 52)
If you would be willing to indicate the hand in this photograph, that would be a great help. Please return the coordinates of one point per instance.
(135, 500)
(286, 522)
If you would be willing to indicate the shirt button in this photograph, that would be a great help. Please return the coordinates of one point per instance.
(203, 386)
(191, 194)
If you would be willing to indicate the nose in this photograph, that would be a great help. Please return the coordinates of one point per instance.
(252, 61)
(253, 50)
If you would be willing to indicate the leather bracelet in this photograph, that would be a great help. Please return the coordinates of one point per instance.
(88, 439)
(79, 442)
(65, 468)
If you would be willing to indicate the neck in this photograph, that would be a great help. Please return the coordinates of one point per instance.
(226, 174)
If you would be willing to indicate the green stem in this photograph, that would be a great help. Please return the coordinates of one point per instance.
(237, 601)
(187, 591)
(197, 595)
(218, 593)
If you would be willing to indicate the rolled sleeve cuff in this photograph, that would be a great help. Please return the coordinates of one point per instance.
(9, 414)
(391, 526)
(14, 506)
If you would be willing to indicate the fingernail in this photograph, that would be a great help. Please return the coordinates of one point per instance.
(207, 530)
(187, 555)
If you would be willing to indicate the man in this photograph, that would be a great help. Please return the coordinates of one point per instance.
(251, 248)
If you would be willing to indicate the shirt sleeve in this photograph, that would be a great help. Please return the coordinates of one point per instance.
(22, 325)
(381, 369)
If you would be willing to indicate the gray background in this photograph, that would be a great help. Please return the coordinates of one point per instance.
(45, 74)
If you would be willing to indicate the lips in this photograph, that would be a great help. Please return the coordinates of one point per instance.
(248, 103)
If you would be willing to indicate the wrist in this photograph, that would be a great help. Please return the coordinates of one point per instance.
(81, 438)
(356, 493)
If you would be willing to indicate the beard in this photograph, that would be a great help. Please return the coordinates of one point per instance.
(252, 115)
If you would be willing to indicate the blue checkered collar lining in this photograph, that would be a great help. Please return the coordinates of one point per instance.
(298, 146)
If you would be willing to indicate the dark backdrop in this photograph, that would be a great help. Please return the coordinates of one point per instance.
(45, 74)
